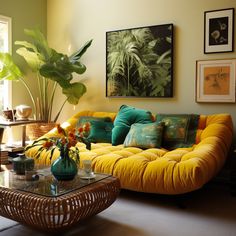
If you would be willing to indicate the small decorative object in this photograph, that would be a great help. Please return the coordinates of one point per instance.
(65, 167)
(218, 31)
(9, 114)
(23, 112)
(88, 167)
(22, 163)
(139, 62)
(215, 81)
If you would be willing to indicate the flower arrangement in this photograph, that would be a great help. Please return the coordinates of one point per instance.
(65, 143)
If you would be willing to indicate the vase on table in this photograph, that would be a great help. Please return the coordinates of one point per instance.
(64, 167)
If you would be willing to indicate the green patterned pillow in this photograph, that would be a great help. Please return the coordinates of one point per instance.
(127, 116)
(100, 131)
(145, 135)
(84, 119)
(180, 129)
(176, 126)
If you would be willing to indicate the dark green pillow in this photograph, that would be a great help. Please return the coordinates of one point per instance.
(145, 135)
(84, 119)
(127, 116)
(100, 131)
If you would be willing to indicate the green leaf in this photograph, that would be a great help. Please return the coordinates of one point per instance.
(74, 92)
(40, 42)
(33, 59)
(8, 69)
(77, 55)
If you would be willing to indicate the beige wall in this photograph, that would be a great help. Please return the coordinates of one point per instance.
(73, 22)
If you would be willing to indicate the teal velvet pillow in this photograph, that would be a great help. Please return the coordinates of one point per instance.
(127, 116)
(145, 135)
(100, 131)
(84, 119)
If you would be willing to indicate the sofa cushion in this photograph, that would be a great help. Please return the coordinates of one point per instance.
(145, 135)
(100, 131)
(180, 129)
(84, 119)
(127, 116)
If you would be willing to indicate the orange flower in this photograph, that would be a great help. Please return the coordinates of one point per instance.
(59, 129)
(86, 127)
(80, 129)
(72, 142)
(48, 144)
(71, 134)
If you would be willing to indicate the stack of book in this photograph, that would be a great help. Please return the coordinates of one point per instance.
(4, 157)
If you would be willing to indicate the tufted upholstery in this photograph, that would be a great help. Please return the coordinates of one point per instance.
(158, 170)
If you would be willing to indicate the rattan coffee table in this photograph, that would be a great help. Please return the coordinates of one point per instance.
(50, 205)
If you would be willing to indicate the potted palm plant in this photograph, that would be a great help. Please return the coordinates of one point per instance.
(52, 70)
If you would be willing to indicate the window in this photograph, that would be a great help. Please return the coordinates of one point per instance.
(5, 46)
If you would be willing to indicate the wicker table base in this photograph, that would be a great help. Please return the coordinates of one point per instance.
(54, 213)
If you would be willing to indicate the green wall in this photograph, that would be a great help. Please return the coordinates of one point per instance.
(24, 14)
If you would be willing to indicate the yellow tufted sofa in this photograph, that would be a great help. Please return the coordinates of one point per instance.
(156, 170)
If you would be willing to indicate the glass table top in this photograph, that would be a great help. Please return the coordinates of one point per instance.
(46, 184)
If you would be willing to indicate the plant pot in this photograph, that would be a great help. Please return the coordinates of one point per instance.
(35, 131)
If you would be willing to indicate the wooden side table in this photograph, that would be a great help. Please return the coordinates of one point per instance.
(23, 123)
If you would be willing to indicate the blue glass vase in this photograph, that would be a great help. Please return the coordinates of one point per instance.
(64, 168)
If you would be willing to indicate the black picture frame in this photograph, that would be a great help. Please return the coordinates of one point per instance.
(139, 62)
(219, 31)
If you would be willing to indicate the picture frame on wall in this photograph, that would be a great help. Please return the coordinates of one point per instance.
(139, 62)
(219, 31)
(215, 80)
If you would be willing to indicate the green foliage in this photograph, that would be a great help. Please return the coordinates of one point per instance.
(51, 67)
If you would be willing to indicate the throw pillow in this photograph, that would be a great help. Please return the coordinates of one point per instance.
(145, 135)
(180, 129)
(100, 131)
(127, 116)
(87, 119)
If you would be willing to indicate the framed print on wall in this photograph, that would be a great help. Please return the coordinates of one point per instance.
(139, 62)
(215, 81)
(219, 31)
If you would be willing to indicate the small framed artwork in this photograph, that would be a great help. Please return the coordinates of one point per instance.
(219, 31)
(215, 81)
(139, 62)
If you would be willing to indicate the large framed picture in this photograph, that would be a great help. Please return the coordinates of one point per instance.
(139, 62)
(219, 31)
(215, 80)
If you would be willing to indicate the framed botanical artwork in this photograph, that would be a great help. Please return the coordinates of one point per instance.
(215, 81)
(139, 62)
(219, 31)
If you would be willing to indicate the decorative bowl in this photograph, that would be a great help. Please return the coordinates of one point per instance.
(23, 112)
